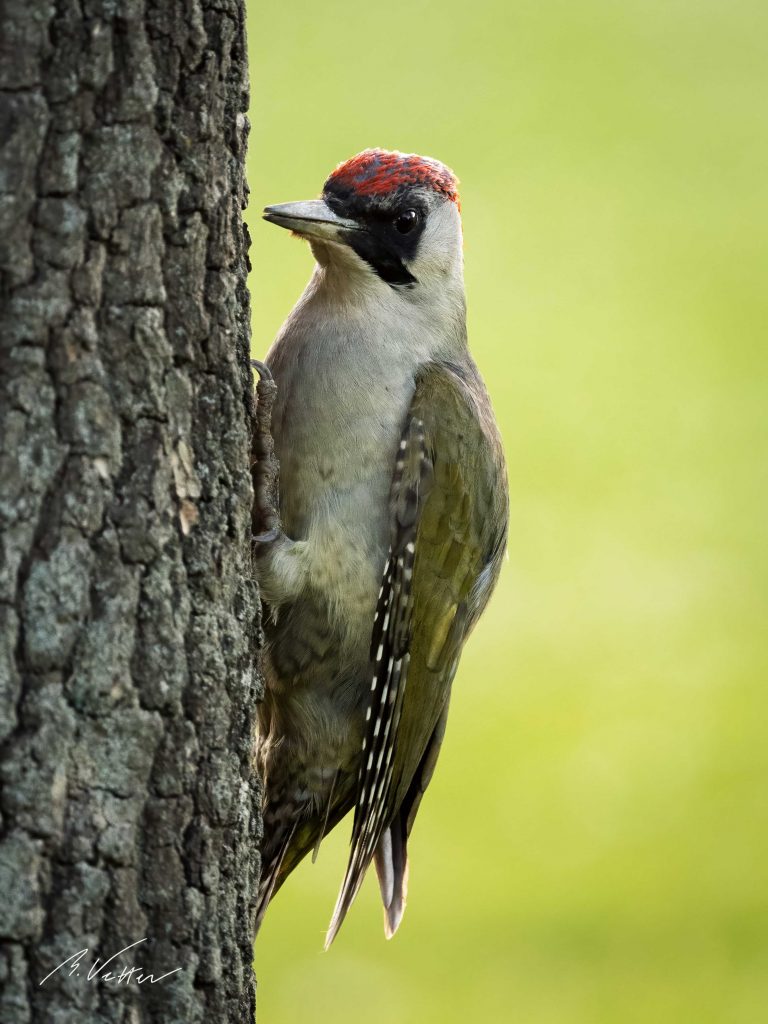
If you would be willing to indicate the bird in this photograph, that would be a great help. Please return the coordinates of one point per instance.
(388, 527)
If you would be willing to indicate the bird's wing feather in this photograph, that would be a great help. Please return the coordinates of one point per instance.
(449, 512)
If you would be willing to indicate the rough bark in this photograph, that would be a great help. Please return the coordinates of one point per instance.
(128, 612)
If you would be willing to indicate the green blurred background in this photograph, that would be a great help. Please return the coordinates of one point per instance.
(594, 846)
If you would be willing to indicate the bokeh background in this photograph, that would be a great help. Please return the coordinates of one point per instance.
(594, 846)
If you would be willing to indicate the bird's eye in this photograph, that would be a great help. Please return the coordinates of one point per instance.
(406, 221)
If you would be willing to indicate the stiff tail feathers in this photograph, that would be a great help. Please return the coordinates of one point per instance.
(270, 876)
(391, 860)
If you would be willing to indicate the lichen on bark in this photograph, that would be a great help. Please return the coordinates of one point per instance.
(128, 611)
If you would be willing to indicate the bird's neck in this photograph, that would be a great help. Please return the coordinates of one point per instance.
(431, 321)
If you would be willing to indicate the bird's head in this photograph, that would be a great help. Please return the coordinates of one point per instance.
(391, 218)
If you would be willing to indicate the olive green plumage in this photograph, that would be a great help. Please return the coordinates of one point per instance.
(449, 504)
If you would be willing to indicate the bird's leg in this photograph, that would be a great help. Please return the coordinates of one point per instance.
(280, 561)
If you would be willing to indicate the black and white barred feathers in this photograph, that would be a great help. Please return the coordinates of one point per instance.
(390, 656)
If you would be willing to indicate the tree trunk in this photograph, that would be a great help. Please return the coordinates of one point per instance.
(128, 611)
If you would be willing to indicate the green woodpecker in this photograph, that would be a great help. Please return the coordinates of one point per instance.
(388, 534)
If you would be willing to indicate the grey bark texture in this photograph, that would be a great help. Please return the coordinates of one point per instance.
(128, 611)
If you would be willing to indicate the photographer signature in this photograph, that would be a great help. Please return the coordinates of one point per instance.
(98, 971)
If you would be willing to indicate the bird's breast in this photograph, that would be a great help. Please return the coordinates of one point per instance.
(337, 424)
(337, 421)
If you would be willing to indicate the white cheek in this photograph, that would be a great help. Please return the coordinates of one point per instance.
(439, 253)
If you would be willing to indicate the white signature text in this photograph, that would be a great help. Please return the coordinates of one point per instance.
(98, 970)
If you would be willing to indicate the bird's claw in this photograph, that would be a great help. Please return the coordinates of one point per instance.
(262, 369)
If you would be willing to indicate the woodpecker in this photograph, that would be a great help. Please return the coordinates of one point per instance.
(387, 535)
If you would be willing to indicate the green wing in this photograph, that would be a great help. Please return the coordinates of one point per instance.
(449, 513)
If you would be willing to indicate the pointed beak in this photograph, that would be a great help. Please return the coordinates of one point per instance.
(312, 218)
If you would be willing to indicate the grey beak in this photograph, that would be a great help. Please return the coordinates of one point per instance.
(312, 218)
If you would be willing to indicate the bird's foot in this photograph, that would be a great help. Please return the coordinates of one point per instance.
(265, 468)
(281, 564)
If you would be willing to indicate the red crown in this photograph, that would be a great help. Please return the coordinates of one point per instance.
(379, 171)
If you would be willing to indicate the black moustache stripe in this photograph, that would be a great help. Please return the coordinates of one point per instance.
(378, 255)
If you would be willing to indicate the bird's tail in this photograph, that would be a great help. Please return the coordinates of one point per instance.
(391, 860)
(392, 868)
(270, 874)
